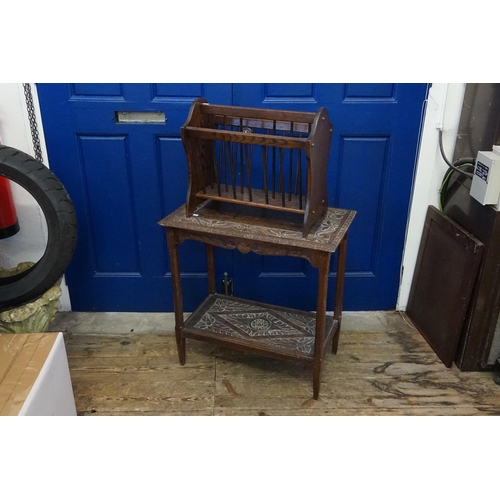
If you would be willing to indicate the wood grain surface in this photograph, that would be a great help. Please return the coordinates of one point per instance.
(389, 372)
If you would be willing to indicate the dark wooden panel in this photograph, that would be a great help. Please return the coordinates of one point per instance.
(447, 265)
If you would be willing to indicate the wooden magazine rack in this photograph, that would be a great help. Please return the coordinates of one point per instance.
(270, 159)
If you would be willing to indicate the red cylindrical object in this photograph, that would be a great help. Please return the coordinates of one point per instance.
(9, 225)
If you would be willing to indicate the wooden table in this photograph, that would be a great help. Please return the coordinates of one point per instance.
(264, 329)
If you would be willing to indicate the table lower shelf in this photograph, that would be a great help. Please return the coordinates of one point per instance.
(242, 324)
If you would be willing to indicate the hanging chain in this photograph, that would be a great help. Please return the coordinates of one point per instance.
(33, 125)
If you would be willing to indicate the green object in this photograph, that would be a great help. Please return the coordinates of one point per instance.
(35, 316)
(446, 179)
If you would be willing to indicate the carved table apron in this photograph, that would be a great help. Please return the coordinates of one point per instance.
(264, 329)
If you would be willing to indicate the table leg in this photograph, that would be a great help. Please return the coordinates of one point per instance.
(339, 292)
(319, 341)
(211, 269)
(177, 293)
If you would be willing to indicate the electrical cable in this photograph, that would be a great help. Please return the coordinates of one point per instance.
(458, 165)
(446, 159)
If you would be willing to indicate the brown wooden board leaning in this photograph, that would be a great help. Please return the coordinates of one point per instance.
(257, 182)
(447, 266)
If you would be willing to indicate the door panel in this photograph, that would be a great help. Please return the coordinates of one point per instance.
(364, 193)
(91, 90)
(104, 163)
(358, 91)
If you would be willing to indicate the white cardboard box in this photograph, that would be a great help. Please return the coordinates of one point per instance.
(34, 375)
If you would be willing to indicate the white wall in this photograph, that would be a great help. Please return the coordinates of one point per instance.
(444, 106)
(30, 242)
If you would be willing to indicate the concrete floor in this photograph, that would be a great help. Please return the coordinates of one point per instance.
(161, 323)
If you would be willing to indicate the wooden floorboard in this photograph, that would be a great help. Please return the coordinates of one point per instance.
(374, 373)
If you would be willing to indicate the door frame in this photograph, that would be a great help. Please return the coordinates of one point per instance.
(444, 107)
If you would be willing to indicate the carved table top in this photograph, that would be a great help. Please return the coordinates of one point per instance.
(263, 225)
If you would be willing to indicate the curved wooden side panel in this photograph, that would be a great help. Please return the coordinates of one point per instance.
(194, 116)
(199, 153)
(317, 166)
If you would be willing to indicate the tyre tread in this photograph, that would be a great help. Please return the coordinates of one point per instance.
(60, 214)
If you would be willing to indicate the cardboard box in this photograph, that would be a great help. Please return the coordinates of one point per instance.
(34, 375)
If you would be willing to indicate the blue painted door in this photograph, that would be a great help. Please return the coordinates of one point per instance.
(123, 178)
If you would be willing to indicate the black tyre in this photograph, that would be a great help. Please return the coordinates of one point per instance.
(60, 216)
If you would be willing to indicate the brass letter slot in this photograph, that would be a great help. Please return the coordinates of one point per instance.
(140, 117)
